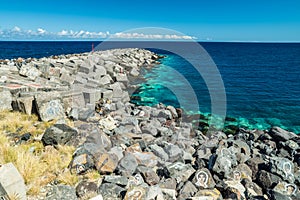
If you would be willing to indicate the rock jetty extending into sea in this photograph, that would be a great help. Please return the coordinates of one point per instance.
(142, 152)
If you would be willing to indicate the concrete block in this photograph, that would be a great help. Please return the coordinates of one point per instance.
(12, 181)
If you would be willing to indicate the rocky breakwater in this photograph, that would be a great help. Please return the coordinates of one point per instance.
(69, 85)
(143, 152)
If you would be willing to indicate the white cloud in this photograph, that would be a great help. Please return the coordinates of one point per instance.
(63, 33)
(16, 29)
(123, 35)
(17, 33)
(41, 31)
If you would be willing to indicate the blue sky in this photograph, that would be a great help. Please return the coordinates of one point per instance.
(216, 20)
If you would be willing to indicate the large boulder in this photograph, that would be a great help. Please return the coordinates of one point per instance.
(49, 106)
(278, 134)
(58, 134)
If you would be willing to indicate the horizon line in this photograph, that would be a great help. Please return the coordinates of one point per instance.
(208, 41)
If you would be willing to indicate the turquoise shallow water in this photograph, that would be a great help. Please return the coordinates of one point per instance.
(261, 82)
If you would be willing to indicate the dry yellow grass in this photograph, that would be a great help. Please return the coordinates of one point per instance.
(38, 165)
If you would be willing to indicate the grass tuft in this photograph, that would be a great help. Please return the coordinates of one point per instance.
(37, 164)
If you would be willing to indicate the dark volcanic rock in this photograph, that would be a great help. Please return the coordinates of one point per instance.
(111, 191)
(86, 188)
(62, 192)
(58, 134)
(278, 134)
(267, 180)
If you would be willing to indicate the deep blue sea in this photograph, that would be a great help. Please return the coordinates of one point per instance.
(261, 79)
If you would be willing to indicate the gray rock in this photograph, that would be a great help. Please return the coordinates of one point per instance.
(169, 183)
(122, 78)
(127, 164)
(134, 72)
(284, 189)
(67, 78)
(100, 70)
(188, 190)
(25, 104)
(204, 153)
(211, 194)
(154, 192)
(85, 113)
(176, 170)
(11, 182)
(62, 192)
(234, 190)
(225, 162)
(169, 194)
(252, 189)
(149, 175)
(118, 151)
(111, 191)
(119, 180)
(159, 151)
(166, 114)
(58, 134)
(86, 66)
(5, 100)
(278, 134)
(105, 80)
(174, 152)
(29, 71)
(267, 179)
(283, 167)
(106, 163)
(100, 139)
(241, 150)
(255, 164)
(49, 106)
(150, 129)
(147, 159)
(82, 161)
(291, 146)
(173, 111)
(129, 121)
(86, 189)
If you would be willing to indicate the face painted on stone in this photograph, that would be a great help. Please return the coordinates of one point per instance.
(80, 169)
(237, 176)
(287, 168)
(202, 179)
(290, 189)
(135, 195)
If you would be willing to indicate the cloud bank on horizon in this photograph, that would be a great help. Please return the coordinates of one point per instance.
(17, 33)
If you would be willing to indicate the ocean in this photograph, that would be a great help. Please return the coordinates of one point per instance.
(261, 80)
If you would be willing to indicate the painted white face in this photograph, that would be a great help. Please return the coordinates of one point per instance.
(202, 179)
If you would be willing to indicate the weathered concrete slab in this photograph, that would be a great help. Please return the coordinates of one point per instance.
(49, 106)
(12, 181)
(30, 71)
(5, 100)
(73, 99)
(25, 104)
